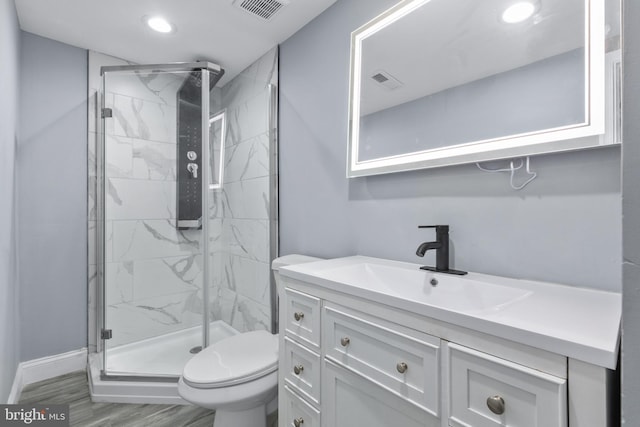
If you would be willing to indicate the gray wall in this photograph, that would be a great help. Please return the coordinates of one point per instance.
(631, 210)
(9, 71)
(52, 197)
(564, 227)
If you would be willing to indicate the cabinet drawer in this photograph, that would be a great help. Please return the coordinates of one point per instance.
(349, 400)
(400, 359)
(302, 318)
(520, 396)
(298, 412)
(302, 370)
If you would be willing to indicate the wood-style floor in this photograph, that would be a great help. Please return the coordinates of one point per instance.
(73, 389)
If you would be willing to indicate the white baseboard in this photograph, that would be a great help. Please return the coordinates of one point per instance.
(32, 371)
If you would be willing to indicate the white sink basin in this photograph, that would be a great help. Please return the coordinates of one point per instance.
(572, 321)
(459, 293)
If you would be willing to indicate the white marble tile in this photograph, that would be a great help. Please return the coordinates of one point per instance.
(118, 152)
(217, 206)
(118, 282)
(164, 276)
(108, 243)
(216, 238)
(154, 160)
(147, 239)
(92, 237)
(248, 159)
(142, 319)
(222, 303)
(137, 118)
(251, 316)
(138, 199)
(247, 238)
(91, 198)
(92, 144)
(91, 242)
(251, 81)
(248, 199)
(156, 87)
(246, 277)
(248, 119)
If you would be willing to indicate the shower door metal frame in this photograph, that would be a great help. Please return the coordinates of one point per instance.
(206, 69)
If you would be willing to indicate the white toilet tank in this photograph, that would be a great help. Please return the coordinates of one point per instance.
(287, 260)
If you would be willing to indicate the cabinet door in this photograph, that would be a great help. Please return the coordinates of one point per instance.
(297, 412)
(486, 391)
(352, 401)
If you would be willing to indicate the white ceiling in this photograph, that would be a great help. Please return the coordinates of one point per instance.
(213, 30)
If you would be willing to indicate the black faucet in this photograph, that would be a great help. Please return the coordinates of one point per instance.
(441, 245)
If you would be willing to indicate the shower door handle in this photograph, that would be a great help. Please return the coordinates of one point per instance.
(193, 169)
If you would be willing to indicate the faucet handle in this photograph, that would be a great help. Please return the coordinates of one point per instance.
(434, 226)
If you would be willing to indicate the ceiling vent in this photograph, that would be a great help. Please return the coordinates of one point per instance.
(387, 80)
(263, 9)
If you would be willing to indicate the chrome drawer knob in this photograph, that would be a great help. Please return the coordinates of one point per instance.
(344, 341)
(496, 404)
(298, 369)
(402, 367)
(298, 422)
(298, 316)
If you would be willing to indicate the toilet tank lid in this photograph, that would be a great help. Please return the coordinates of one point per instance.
(293, 259)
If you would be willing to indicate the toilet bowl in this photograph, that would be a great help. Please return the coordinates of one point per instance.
(237, 376)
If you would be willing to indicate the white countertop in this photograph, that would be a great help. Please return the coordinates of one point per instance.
(575, 322)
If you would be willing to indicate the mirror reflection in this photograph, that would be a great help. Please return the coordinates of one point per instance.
(432, 75)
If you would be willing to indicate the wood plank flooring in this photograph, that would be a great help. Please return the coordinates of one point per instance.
(73, 389)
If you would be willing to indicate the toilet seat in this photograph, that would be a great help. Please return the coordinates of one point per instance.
(238, 359)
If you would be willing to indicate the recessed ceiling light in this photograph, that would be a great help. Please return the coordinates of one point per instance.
(518, 12)
(159, 24)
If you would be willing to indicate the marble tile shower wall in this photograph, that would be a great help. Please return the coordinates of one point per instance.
(240, 214)
(152, 270)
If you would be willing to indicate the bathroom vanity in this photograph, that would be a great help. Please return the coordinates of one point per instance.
(371, 342)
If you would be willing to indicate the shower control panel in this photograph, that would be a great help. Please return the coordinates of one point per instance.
(189, 176)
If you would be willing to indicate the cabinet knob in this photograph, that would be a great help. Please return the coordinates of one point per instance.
(402, 367)
(496, 404)
(298, 316)
(298, 369)
(298, 422)
(344, 341)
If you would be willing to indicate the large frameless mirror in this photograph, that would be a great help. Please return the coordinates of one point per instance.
(442, 82)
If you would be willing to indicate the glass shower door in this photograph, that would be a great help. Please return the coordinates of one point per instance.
(153, 242)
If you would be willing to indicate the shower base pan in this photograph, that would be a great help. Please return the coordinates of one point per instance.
(147, 371)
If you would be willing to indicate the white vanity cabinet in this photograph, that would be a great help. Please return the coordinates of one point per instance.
(351, 361)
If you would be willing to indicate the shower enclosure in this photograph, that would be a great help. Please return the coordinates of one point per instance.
(186, 215)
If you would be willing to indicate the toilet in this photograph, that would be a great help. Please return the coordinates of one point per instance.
(238, 376)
